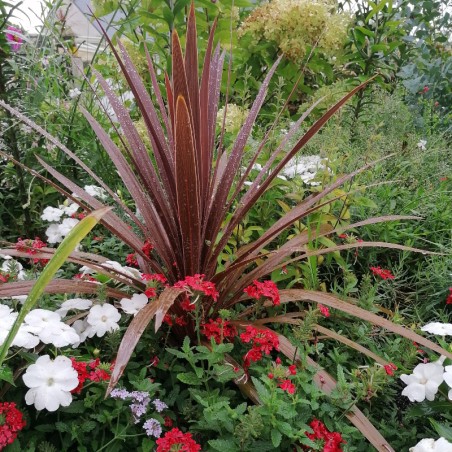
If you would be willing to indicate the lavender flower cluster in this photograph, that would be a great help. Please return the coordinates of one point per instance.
(140, 402)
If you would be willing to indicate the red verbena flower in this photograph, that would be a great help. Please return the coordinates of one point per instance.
(154, 277)
(449, 297)
(150, 292)
(219, 329)
(293, 369)
(197, 284)
(382, 273)
(168, 320)
(147, 248)
(324, 310)
(175, 437)
(187, 305)
(131, 259)
(287, 385)
(264, 289)
(332, 440)
(181, 321)
(11, 422)
(390, 368)
(263, 342)
(82, 373)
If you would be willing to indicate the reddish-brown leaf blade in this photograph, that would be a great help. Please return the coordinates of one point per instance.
(136, 329)
(187, 187)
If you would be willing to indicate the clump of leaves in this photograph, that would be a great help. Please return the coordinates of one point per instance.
(189, 191)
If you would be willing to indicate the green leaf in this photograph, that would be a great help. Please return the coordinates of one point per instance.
(223, 445)
(6, 374)
(443, 430)
(79, 232)
(276, 437)
(189, 378)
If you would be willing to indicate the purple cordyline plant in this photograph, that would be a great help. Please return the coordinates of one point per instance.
(185, 193)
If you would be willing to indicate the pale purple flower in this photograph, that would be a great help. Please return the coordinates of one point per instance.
(159, 405)
(153, 428)
(120, 394)
(140, 396)
(138, 409)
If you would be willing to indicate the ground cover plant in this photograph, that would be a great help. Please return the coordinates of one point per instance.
(218, 333)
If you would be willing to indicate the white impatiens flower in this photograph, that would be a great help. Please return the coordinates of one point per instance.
(448, 380)
(441, 329)
(54, 234)
(69, 209)
(74, 304)
(134, 304)
(67, 225)
(47, 325)
(50, 383)
(24, 338)
(424, 382)
(102, 319)
(430, 445)
(97, 192)
(51, 214)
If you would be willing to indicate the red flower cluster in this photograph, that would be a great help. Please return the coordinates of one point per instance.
(264, 289)
(131, 259)
(4, 278)
(88, 371)
(150, 292)
(449, 297)
(154, 277)
(198, 285)
(31, 247)
(263, 342)
(175, 437)
(219, 329)
(383, 274)
(390, 368)
(333, 440)
(147, 248)
(287, 385)
(11, 422)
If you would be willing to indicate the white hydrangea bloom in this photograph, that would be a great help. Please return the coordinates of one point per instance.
(134, 304)
(50, 383)
(102, 319)
(424, 382)
(97, 192)
(74, 304)
(441, 329)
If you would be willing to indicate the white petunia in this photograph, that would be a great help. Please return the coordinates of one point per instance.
(50, 383)
(441, 329)
(97, 192)
(134, 304)
(67, 225)
(430, 445)
(51, 214)
(102, 319)
(448, 380)
(54, 234)
(74, 304)
(424, 382)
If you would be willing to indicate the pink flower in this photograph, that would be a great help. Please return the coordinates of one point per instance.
(324, 310)
(13, 38)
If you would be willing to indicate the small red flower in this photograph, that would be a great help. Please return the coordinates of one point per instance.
(168, 422)
(198, 285)
(180, 321)
(324, 310)
(154, 277)
(271, 376)
(147, 248)
(263, 342)
(168, 320)
(343, 236)
(449, 297)
(186, 305)
(278, 360)
(287, 385)
(183, 442)
(11, 423)
(383, 274)
(131, 259)
(219, 329)
(81, 368)
(426, 89)
(150, 292)
(293, 369)
(264, 289)
(390, 368)
(332, 440)
(155, 360)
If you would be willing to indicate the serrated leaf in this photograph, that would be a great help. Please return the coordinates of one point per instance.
(276, 437)
(223, 445)
(189, 378)
(62, 427)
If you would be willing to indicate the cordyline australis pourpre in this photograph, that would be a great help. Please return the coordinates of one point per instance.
(184, 194)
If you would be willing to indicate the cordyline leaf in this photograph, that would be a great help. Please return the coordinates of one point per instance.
(139, 323)
(326, 383)
(331, 301)
(66, 247)
(64, 286)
